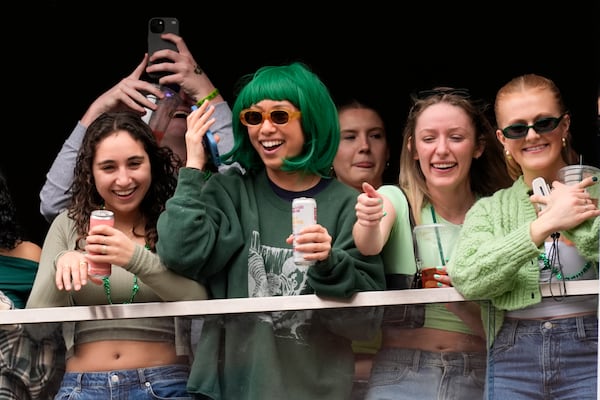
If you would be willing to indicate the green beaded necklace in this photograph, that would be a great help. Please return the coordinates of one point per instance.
(134, 289)
(542, 257)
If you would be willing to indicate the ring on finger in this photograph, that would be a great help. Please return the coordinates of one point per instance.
(103, 249)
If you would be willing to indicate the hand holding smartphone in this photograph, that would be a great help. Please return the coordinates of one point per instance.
(211, 149)
(156, 27)
(540, 187)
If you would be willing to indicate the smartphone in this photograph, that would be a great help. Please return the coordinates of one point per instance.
(540, 187)
(210, 146)
(156, 27)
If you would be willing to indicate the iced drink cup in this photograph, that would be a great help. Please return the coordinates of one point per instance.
(160, 118)
(573, 174)
(435, 243)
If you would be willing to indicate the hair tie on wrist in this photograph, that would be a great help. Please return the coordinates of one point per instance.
(209, 97)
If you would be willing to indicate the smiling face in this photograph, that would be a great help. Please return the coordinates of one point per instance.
(122, 172)
(274, 142)
(175, 132)
(363, 152)
(537, 154)
(446, 144)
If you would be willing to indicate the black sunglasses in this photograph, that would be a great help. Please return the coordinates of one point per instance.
(250, 117)
(542, 125)
(461, 92)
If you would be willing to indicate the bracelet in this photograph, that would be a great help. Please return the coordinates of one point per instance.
(210, 96)
(206, 174)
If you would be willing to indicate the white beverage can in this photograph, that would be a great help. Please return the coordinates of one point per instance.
(304, 213)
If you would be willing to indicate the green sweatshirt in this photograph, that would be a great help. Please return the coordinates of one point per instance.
(229, 233)
(495, 257)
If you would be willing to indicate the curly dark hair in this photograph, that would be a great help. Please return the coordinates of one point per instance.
(164, 167)
(10, 230)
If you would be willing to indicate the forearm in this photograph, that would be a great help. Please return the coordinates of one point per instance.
(223, 128)
(368, 239)
(168, 285)
(54, 196)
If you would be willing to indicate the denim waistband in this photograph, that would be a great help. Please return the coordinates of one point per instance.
(582, 324)
(466, 361)
(127, 376)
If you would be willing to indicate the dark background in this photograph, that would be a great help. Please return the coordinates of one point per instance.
(61, 55)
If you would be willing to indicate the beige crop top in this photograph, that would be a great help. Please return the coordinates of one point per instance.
(174, 330)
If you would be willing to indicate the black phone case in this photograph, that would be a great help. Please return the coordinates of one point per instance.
(156, 27)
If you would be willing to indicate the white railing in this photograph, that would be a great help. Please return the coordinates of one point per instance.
(260, 304)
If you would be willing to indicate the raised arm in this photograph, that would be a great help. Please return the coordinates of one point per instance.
(130, 93)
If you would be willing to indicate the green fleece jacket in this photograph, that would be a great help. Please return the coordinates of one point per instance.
(230, 234)
(496, 259)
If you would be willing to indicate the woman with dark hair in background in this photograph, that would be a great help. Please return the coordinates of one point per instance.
(19, 258)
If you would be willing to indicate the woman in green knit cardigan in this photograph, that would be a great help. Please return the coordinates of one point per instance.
(540, 347)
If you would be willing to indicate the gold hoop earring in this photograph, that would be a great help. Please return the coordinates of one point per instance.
(564, 142)
(507, 154)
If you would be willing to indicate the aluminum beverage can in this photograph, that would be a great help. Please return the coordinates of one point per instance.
(100, 217)
(304, 213)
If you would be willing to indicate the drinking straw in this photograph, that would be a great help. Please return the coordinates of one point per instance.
(437, 236)
(439, 242)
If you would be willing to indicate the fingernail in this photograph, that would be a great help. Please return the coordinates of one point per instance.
(595, 178)
(384, 214)
(436, 276)
(439, 284)
(439, 268)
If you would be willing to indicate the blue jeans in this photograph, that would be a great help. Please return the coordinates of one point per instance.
(165, 382)
(406, 374)
(555, 359)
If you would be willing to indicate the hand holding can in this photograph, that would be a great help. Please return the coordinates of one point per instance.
(100, 217)
(304, 213)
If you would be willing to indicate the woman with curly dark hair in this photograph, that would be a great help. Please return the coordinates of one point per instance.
(121, 168)
(19, 258)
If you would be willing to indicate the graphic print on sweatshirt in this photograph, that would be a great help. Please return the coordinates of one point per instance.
(272, 272)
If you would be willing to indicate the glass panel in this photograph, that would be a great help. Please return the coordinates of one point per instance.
(316, 339)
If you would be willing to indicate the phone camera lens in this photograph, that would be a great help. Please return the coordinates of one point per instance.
(157, 25)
